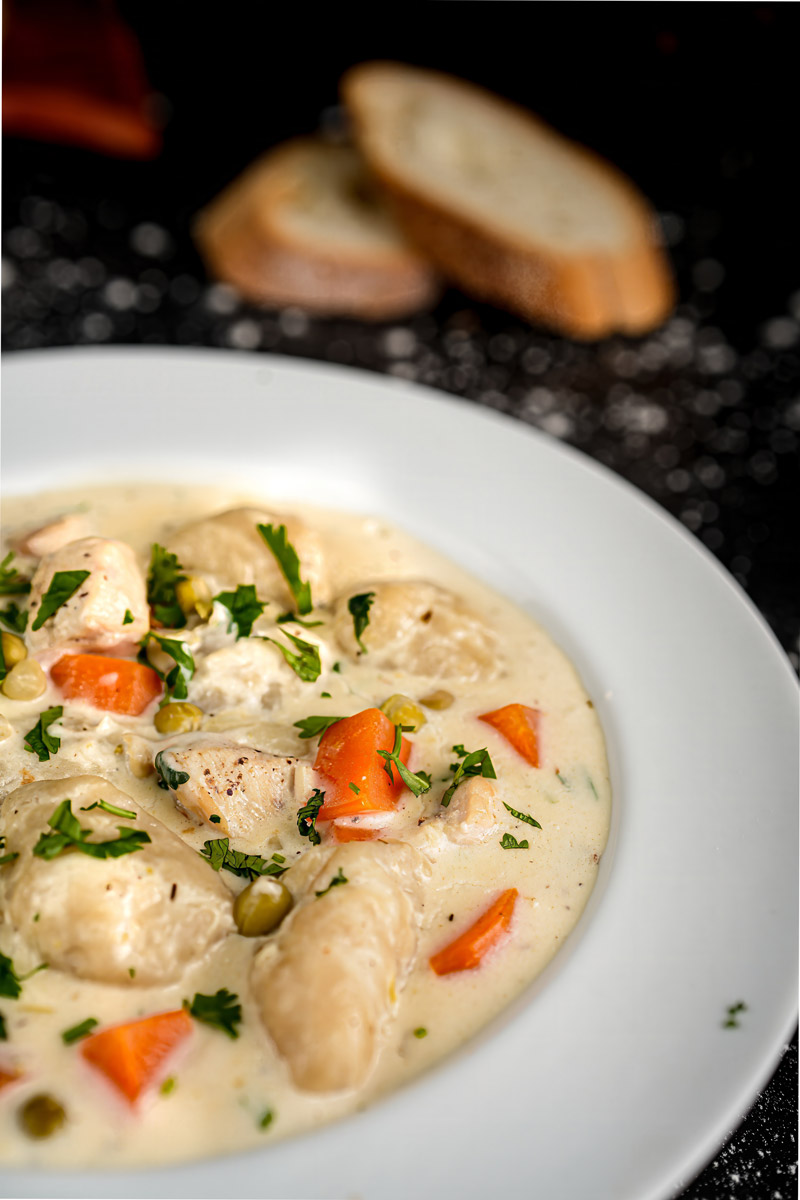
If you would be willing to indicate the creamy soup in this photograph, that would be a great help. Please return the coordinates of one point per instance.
(291, 807)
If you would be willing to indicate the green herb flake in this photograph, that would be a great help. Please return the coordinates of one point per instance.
(221, 1011)
(10, 982)
(358, 607)
(353, 788)
(477, 762)
(337, 667)
(68, 832)
(562, 779)
(266, 1119)
(78, 1032)
(10, 856)
(128, 618)
(284, 618)
(307, 663)
(509, 842)
(132, 972)
(244, 608)
(164, 575)
(39, 740)
(313, 726)
(215, 819)
(128, 813)
(168, 1085)
(415, 783)
(177, 679)
(324, 695)
(15, 618)
(338, 879)
(219, 855)
(3, 1030)
(289, 563)
(307, 817)
(62, 587)
(169, 777)
(421, 1032)
(521, 816)
(11, 582)
(732, 1014)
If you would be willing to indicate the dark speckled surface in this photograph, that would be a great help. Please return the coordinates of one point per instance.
(702, 414)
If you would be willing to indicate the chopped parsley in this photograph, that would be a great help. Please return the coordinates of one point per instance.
(77, 1032)
(215, 819)
(290, 616)
(219, 855)
(307, 817)
(509, 842)
(358, 607)
(164, 575)
(266, 1119)
(289, 564)
(178, 678)
(128, 813)
(416, 783)
(3, 1030)
(353, 788)
(128, 618)
(15, 618)
(313, 726)
(68, 832)
(338, 879)
(732, 1014)
(10, 982)
(170, 778)
(521, 816)
(62, 587)
(562, 779)
(476, 763)
(6, 858)
(11, 582)
(168, 1085)
(220, 1011)
(39, 740)
(307, 663)
(244, 608)
(421, 1032)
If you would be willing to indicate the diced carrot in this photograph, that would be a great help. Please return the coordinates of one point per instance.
(7, 1076)
(114, 684)
(471, 947)
(519, 725)
(348, 753)
(131, 1055)
(354, 833)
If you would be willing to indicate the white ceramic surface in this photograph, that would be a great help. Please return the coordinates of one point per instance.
(695, 908)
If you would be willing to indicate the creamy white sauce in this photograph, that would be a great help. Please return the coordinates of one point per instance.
(223, 1087)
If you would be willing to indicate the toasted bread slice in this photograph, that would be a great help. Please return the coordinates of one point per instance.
(508, 208)
(302, 226)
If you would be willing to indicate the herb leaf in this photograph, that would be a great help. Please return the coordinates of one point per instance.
(38, 740)
(509, 842)
(77, 1032)
(169, 777)
(68, 832)
(164, 574)
(313, 726)
(416, 783)
(11, 582)
(307, 817)
(288, 616)
(128, 618)
(178, 678)
(476, 763)
(220, 1010)
(128, 813)
(289, 564)
(6, 858)
(307, 663)
(15, 618)
(219, 855)
(521, 816)
(338, 879)
(62, 587)
(10, 982)
(358, 607)
(244, 608)
(3, 1030)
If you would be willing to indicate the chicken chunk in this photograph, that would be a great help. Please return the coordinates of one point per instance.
(249, 673)
(420, 628)
(229, 548)
(328, 983)
(474, 813)
(247, 789)
(94, 616)
(139, 919)
(53, 536)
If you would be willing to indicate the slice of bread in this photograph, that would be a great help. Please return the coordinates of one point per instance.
(508, 208)
(303, 226)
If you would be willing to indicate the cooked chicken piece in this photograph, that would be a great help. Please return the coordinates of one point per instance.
(229, 547)
(250, 673)
(242, 786)
(53, 536)
(328, 983)
(93, 617)
(474, 812)
(139, 919)
(420, 628)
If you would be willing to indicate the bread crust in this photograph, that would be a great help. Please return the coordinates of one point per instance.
(584, 294)
(245, 243)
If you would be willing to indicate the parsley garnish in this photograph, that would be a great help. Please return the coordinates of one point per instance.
(220, 1010)
(168, 1085)
(289, 563)
(338, 879)
(6, 858)
(521, 816)
(215, 819)
(128, 618)
(3, 1030)
(15, 618)
(732, 1019)
(425, 777)
(354, 788)
(68, 832)
(170, 778)
(219, 855)
(11, 582)
(111, 808)
(63, 586)
(164, 574)
(509, 842)
(307, 663)
(313, 726)
(307, 817)
(358, 607)
(38, 740)
(178, 678)
(267, 1119)
(244, 608)
(421, 1032)
(10, 982)
(288, 616)
(416, 783)
(476, 763)
(77, 1032)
